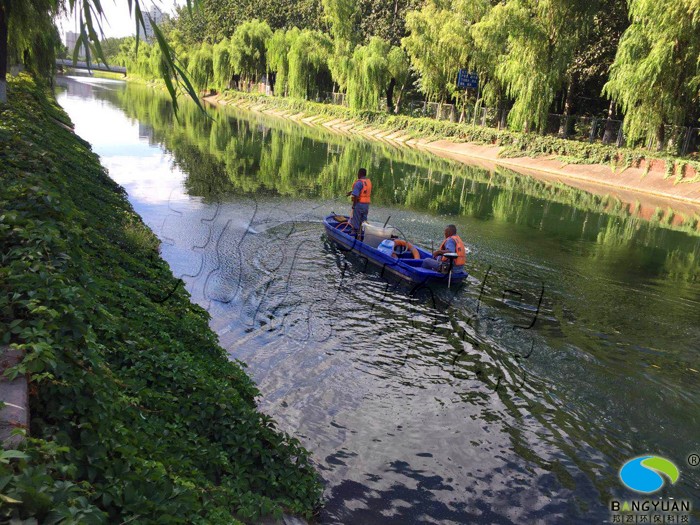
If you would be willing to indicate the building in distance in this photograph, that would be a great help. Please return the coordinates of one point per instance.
(71, 40)
(158, 17)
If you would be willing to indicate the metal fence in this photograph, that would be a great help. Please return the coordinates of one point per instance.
(436, 111)
(676, 139)
(492, 118)
(331, 97)
(692, 142)
(582, 128)
(254, 87)
(414, 109)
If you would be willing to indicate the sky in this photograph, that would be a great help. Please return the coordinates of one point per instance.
(118, 22)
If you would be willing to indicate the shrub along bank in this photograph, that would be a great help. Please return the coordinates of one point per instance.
(137, 415)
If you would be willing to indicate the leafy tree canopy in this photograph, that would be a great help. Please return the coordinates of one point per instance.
(218, 19)
(656, 74)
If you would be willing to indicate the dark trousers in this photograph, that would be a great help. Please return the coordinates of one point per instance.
(359, 215)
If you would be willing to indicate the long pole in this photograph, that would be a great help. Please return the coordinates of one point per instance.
(4, 21)
(476, 103)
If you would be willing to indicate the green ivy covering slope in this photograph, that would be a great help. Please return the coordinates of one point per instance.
(137, 415)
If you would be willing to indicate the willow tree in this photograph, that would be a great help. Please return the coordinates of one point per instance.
(655, 76)
(308, 61)
(34, 40)
(27, 31)
(248, 49)
(341, 16)
(278, 57)
(122, 58)
(13, 13)
(400, 71)
(223, 69)
(375, 70)
(385, 19)
(201, 66)
(156, 62)
(537, 40)
(590, 67)
(145, 63)
(368, 74)
(180, 48)
(439, 44)
(141, 64)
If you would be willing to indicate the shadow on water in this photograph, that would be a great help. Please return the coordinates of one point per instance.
(399, 503)
(512, 399)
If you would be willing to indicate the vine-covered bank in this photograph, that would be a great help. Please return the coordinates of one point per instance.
(137, 415)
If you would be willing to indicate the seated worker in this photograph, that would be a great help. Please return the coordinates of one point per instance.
(361, 192)
(451, 244)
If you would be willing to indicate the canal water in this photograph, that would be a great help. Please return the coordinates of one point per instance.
(515, 398)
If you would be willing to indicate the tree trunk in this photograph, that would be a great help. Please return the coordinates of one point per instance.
(503, 113)
(608, 135)
(4, 20)
(568, 108)
(397, 105)
(271, 79)
(660, 137)
(390, 95)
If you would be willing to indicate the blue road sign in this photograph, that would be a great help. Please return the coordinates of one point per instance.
(467, 80)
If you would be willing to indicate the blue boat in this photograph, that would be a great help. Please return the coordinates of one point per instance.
(406, 265)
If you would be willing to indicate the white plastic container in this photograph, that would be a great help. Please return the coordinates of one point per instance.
(386, 247)
(375, 233)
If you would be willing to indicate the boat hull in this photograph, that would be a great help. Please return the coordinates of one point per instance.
(404, 267)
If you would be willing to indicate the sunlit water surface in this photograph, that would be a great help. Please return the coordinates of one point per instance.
(468, 405)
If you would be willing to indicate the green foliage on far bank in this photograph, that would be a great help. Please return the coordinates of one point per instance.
(603, 58)
(514, 144)
(239, 152)
(137, 415)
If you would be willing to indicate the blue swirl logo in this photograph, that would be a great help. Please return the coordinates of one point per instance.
(643, 474)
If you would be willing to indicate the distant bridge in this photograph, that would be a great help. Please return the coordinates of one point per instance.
(94, 66)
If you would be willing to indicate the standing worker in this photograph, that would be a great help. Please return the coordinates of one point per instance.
(361, 191)
(451, 244)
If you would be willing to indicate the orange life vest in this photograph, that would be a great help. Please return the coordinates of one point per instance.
(366, 190)
(460, 250)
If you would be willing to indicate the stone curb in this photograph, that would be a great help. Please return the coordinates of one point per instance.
(15, 396)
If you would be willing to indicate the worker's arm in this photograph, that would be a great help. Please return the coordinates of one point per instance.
(450, 247)
(355, 193)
